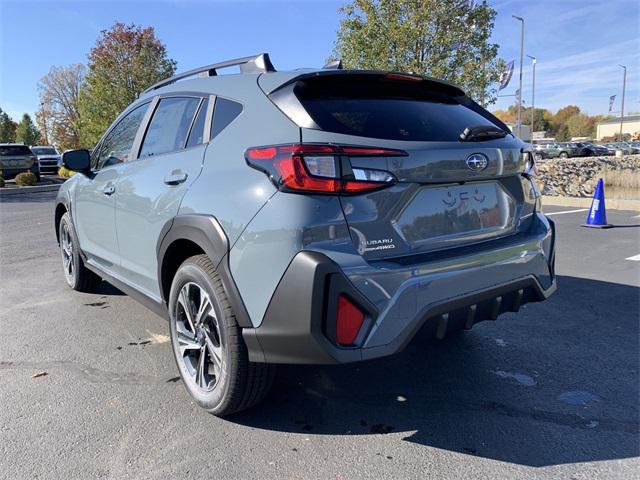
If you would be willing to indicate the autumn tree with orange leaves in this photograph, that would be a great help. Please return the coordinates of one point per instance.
(125, 61)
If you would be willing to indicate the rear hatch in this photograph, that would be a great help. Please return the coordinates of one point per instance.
(448, 193)
(13, 157)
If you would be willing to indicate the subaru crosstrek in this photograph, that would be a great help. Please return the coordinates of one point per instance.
(313, 216)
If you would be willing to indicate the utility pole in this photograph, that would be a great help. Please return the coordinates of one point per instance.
(521, 20)
(624, 85)
(533, 93)
(44, 123)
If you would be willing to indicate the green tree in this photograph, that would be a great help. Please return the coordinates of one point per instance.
(581, 125)
(447, 40)
(27, 132)
(7, 128)
(125, 60)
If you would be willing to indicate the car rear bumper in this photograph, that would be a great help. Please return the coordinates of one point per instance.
(439, 293)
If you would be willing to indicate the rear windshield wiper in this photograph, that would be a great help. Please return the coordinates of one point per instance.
(481, 132)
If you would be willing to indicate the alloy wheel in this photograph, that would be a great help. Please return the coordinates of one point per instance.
(66, 248)
(199, 346)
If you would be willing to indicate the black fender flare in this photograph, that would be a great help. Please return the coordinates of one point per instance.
(206, 232)
(65, 202)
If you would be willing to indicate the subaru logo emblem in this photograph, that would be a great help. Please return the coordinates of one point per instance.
(477, 162)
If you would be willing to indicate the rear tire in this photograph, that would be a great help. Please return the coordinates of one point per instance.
(207, 343)
(78, 276)
(564, 155)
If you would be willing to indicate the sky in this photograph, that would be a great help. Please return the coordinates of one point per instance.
(578, 43)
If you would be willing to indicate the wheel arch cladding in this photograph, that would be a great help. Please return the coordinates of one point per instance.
(193, 234)
(61, 209)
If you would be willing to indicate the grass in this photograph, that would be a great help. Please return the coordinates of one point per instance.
(65, 172)
(622, 183)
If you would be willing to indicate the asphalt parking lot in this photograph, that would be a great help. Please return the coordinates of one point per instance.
(550, 392)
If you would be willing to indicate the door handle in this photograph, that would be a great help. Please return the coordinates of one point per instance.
(176, 177)
(109, 189)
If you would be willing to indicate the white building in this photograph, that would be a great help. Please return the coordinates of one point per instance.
(611, 127)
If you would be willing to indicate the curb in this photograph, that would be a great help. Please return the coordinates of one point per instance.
(585, 202)
(24, 190)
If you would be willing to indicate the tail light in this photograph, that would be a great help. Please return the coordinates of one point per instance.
(348, 321)
(321, 168)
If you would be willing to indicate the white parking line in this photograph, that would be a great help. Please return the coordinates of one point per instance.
(568, 211)
(635, 258)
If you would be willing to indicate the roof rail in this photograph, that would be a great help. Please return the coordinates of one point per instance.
(254, 64)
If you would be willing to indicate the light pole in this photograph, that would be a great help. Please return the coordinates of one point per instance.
(519, 122)
(533, 93)
(624, 85)
(44, 123)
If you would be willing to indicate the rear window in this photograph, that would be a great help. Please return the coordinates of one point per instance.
(10, 151)
(381, 107)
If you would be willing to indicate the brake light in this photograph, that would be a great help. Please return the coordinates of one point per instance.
(403, 76)
(321, 168)
(348, 321)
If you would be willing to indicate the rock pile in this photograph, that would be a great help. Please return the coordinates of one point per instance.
(577, 177)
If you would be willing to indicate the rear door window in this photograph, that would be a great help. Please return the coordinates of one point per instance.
(196, 136)
(380, 106)
(169, 125)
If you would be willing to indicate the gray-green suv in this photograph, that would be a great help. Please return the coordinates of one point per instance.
(310, 216)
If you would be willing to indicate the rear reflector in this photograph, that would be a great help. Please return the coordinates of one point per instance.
(348, 322)
(318, 168)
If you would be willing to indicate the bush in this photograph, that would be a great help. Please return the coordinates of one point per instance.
(65, 172)
(26, 179)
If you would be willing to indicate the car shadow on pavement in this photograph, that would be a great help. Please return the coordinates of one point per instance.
(556, 383)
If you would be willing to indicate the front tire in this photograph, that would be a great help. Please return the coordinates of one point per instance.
(564, 155)
(78, 276)
(207, 343)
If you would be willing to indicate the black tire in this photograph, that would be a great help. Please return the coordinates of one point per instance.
(235, 383)
(78, 276)
(564, 155)
(538, 157)
(588, 153)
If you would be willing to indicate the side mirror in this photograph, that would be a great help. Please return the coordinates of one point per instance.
(77, 160)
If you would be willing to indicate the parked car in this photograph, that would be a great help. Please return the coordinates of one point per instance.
(546, 150)
(596, 149)
(622, 147)
(48, 158)
(566, 150)
(306, 217)
(583, 149)
(634, 149)
(17, 158)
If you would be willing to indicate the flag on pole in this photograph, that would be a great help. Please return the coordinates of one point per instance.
(612, 99)
(505, 76)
